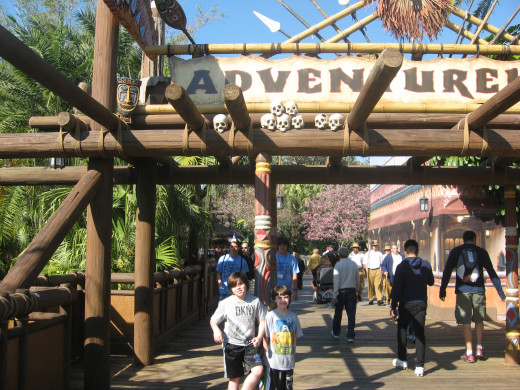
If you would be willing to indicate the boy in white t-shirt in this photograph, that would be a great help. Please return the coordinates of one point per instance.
(282, 328)
(240, 312)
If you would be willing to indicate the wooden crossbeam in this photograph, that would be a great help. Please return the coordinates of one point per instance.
(305, 142)
(42, 247)
(284, 174)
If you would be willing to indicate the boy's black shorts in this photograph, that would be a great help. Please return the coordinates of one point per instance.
(279, 379)
(238, 358)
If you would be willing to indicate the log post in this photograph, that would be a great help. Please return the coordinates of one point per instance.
(182, 103)
(4, 343)
(381, 75)
(97, 281)
(512, 312)
(236, 105)
(43, 246)
(144, 262)
(99, 215)
(265, 253)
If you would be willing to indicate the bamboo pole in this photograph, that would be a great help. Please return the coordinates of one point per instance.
(500, 32)
(300, 19)
(43, 246)
(375, 120)
(144, 263)
(455, 27)
(288, 174)
(484, 21)
(381, 75)
(22, 57)
(316, 48)
(327, 22)
(352, 29)
(326, 17)
(488, 27)
(305, 142)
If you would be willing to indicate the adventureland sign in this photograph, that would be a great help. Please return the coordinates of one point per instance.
(305, 79)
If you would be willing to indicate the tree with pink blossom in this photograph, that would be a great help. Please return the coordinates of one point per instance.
(338, 214)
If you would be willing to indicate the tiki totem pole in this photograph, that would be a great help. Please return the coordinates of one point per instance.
(265, 252)
(512, 320)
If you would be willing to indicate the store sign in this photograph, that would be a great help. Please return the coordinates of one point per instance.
(136, 17)
(307, 79)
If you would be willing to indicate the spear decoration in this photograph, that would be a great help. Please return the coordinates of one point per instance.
(173, 15)
(271, 24)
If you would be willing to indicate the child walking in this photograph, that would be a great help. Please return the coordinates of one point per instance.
(240, 312)
(282, 328)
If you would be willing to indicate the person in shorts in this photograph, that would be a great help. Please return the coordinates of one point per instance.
(469, 261)
(282, 328)
(240, 312)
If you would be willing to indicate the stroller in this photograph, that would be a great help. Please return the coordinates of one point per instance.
(324, 283)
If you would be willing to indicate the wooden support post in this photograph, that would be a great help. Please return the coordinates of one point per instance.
(144, 262)
(381, 75)
(265, 253)
(99, 215)
(97, 281)
(512, 310)
(23, 352)
(43, 246)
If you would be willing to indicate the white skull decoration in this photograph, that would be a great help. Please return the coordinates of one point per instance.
(220, 123)
(276, 108)
(291, 108)
(321, 121)
(298, 122)
(283, 122)
(268, 121)
(336, 121)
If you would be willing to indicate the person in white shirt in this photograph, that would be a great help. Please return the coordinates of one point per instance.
(372, 263)
(344, 295)
(357, 258)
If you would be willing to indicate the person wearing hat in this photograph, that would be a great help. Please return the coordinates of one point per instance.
(372, 263)
(286, 267)
(357, 258)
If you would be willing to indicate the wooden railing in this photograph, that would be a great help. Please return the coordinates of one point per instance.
(43, 326)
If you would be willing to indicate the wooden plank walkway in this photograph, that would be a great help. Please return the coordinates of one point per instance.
(194, 361)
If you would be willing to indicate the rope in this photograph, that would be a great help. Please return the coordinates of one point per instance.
(101, 142)
(77, 136)
(485, 143)
(186, 141)
(119, 138)
(346, 138)
(60, 141)
(365, 140)
(465, 142)
(231, 139)
(204, 145)
(250, 135)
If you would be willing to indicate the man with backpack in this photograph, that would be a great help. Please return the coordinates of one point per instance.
(469, 261)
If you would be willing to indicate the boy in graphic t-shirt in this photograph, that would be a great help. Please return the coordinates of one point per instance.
(282, 328)
(240, 312)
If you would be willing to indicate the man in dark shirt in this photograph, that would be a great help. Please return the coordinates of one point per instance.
(469, 260)
(409, 291)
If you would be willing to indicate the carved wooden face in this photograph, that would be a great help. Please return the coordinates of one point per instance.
(172, 13)
(127, 95)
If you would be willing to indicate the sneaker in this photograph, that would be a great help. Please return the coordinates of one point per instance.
(400, 364)
(419, 371)
(381, 303)
(480, 354)
(333, 335)
(350, 340)
(468, 358)
(370, 302)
